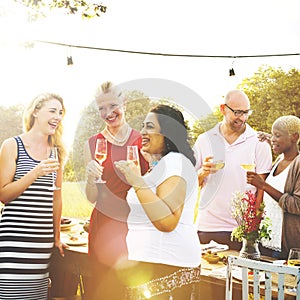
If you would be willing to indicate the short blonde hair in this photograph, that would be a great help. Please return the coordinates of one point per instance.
(108, 88)
(289, 123)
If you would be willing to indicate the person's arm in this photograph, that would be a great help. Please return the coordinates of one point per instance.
(164, 207)
(10, 189)
(258, 181)
(57, 210)
(290, 200)
(93, 171)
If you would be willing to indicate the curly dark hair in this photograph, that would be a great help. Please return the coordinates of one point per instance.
(174, 130)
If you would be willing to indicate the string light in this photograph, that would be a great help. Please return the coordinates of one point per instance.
(166, 54)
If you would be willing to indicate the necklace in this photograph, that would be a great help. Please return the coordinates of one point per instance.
(120, 141)
(154, 162)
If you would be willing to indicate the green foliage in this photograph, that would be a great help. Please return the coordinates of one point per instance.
(205, 123)
(272, 93)
(10, 121)
(85, 8)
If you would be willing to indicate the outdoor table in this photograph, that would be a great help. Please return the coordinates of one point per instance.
(67, 275)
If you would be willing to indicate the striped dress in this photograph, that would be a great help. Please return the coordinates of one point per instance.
(26, 236)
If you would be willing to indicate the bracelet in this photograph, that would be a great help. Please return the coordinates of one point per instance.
(136, 189)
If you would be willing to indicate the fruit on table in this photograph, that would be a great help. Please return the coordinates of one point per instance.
(210, 257)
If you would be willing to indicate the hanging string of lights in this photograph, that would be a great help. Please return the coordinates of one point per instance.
(166, 54)
(231, 70)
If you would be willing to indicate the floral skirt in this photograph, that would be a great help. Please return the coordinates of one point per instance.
(165, 284)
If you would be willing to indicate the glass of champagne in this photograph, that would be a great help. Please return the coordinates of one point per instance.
(294, 261)
(133, 154)
(248, 167)
(54, 174)
(100, 154)
(219, 164)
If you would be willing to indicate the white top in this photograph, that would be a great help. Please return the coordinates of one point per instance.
(272, 208)
(216, 195)
(180, 247)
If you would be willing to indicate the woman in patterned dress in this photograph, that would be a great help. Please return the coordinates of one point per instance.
(30, 222)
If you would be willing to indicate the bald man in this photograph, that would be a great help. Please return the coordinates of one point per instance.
(234, 142)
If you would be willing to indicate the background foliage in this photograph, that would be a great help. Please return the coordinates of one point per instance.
(272, 93)
(85, 8)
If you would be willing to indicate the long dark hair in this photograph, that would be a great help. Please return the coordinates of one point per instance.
(174, 130)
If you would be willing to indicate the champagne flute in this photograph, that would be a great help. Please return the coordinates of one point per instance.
(294, 261)
(54, 174)
(133, 154)
(248, 167)
(100, 154)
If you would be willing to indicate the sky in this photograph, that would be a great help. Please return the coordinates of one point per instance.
(221, 28)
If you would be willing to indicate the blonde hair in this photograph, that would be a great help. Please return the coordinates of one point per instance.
(289, 123)
(108, 88)
(29, 119)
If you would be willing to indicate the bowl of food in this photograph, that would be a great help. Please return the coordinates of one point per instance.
(212, 258)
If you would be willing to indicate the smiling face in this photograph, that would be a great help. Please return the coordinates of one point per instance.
(152, 139)
(281, 139)
(235, 101)
(48, 117)
(111, 109)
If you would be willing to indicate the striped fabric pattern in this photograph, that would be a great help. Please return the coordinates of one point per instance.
(26, 236)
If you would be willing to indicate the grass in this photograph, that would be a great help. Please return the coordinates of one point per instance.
(75, 203)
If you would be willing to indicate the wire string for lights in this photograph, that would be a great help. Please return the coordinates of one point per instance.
(165, 54)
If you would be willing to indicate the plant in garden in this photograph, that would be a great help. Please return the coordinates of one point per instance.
(252, 223)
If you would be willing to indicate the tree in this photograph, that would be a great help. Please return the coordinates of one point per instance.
(205, 123)
(272, 93)
(10, 121)
(85, 8)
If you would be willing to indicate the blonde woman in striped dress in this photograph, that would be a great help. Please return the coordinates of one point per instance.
(30, 222)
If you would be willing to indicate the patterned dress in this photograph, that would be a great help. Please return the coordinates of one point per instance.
(26, 236)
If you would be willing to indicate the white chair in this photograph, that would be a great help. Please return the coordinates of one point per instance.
(259, 269)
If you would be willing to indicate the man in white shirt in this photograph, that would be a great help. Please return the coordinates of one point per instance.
(234, 142)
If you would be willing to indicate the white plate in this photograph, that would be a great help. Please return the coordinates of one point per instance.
(213, 247)
(80, 241)
(237, 274)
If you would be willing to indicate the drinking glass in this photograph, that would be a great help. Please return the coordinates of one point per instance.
(248, 167)
(133, 154)
(294, 260)
(54, 174)
(219, 164)
(100, 154)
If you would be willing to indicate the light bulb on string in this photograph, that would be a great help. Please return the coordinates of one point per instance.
(69, 57)
(231, 70)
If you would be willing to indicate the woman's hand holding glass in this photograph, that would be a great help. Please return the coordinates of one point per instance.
(131, 172)
(94, 171)
(255, 179)
(100, 155)
(47, 166)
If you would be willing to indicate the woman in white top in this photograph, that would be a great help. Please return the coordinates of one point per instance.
(162, 239)
(284, 141)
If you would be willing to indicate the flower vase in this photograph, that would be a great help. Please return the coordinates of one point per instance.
(250, 249)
